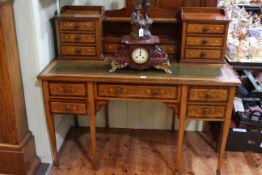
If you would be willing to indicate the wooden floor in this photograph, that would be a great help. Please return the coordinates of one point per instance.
(136, 152)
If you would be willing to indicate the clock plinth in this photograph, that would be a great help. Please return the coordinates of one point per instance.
(140, 54)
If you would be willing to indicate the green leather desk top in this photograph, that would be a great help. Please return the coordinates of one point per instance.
(99, 72)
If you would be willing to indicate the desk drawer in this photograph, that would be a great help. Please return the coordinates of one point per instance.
(78, 38)
(129, 91)
(206, 28)
(84, 26)
(67, 89)
(203, 94)
(63, 107)
(203, 54)
(204, 41)
(205, 111)
(72, 50)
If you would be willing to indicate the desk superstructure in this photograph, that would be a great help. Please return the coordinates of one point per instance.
(92, 33)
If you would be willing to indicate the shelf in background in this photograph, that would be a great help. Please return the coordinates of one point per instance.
(252, 64)
(252, 7)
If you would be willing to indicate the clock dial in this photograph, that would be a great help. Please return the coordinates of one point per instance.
(140, 55)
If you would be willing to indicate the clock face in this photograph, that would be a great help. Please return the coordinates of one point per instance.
(140, 55)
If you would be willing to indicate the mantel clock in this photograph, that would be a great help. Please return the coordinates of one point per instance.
(139, 49)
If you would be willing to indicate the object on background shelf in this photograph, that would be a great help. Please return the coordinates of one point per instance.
(243, 91)
(244, 140)
(252, 114)
(245, 32)
(253, 81)
(259, 78)
(238, 105)
(239, 139)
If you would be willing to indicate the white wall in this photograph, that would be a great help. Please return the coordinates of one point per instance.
(36, 49)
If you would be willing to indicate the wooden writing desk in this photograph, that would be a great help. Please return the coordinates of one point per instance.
(193, 92)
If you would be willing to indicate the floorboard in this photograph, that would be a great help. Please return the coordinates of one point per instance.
(148, 152)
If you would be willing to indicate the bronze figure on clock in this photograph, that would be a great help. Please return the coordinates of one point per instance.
(139, 49)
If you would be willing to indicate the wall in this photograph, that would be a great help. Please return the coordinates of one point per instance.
(36, 49)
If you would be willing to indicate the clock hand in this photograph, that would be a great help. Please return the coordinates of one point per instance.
(140, 52)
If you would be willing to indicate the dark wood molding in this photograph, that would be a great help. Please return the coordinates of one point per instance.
(17, 146)
(22, 157)
(3, 2)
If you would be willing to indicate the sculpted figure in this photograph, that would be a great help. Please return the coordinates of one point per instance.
(141, 23)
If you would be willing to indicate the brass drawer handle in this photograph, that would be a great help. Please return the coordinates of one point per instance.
(78, 50)
(77, 38)
(68, 90)
(155, 92)
(204, 42)
(203, 54)
(206, 111)
(68, 108)
(120, 91)
(209, 94)
(76, 26)
(205, 29)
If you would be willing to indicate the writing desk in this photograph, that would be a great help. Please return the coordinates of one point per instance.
(193, 92)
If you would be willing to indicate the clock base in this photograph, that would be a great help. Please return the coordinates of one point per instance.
(140, 54)
(115, 65)
(164, 66)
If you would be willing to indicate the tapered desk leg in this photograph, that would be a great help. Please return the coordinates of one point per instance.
(223, 145)
(106, 115)
(225, 129)
(50, 123)
(182, 118)
(92, 120)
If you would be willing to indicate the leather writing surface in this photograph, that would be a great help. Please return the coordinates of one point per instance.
(180, 72)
